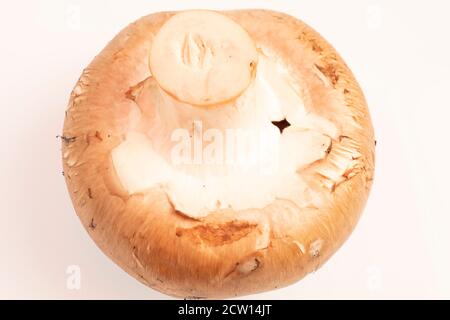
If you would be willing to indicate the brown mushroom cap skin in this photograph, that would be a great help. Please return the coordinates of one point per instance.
(228, 253)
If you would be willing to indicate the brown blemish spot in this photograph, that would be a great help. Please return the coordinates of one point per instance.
(346, 91)
(98, 135)
(92, 224)
(141, 277)
(118, 54)
(315, 248)
(248, 266)
(277, 17)
(330, 72)
(253, 68)
(135, 90)
(315, 46)
(333, 187)
(341, 137)
(66, 139)
(89, 191)
(281, 125)
(330, 146)
(218, 234)
(244, 267)
(129, 95)
(93, 135)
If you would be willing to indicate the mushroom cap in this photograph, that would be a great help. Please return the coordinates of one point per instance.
(228, 252)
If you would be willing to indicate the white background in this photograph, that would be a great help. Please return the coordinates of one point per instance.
(400, 54)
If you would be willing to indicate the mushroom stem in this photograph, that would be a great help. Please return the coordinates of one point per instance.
(203, 58)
